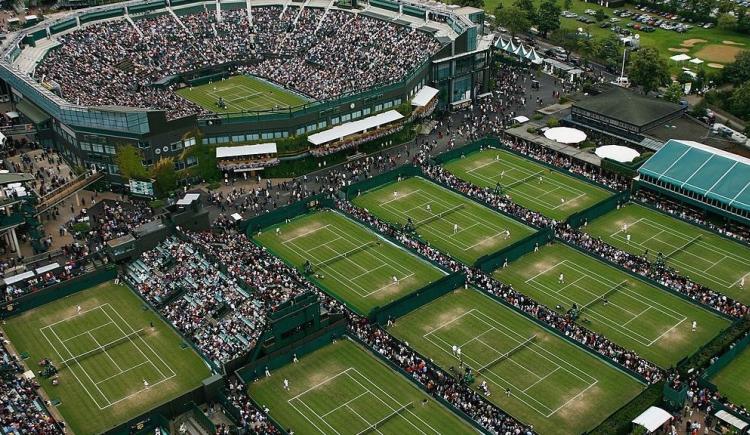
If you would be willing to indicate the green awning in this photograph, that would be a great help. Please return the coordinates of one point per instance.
(32, 111)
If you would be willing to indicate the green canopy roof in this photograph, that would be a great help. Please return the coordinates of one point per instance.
(34, 113)
(707, 171)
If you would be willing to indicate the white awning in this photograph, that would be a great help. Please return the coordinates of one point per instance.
(47, 268)
(424, 96)
(729, 418)
(188, 198)
(617, 153)
(680, 57)
(18, 278)
(521, 119)
(350, 128)
(653, 418)
(565, 135)
(12, 115)
(245, 150)
(236, 216)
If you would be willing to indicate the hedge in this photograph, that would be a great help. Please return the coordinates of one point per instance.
(620, 423)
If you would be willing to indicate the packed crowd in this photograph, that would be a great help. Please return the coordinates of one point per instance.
(113, 219)
(21, 409)
(49, 170)
(320, 55)
(73, 267)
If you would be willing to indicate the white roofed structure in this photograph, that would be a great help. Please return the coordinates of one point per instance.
(617, 153)
(354, 127)
(424, 96)
(245, 150)
(653, 418)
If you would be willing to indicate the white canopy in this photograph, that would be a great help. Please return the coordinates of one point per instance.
(617, 153)
(47, 268)
(236, 216)
(696, 61)
(521, 119)
(354, 127)
(245, 150)
(424, 96)
(565, 135)
(680, 57)
(729, 418)
(653, 418)
(188, 198)
(12, 115)
(20, 277)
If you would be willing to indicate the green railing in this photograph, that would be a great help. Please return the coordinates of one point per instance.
(421, 297)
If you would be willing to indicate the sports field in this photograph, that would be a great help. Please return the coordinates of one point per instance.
(712, 260)
(105, 356)
(241, 94)
(553, 384)
(530, 184)
(654, 322)
(349, 260)
(450, 222)
(733, 380)
(343, 389)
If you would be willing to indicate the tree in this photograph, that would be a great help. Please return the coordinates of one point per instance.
(600, 15)
(479, 4)
(648, 69)
(568, 4)
(673, 92)
(130, 162)
(528, 7)
(739, 102)
(608, 51)
(548, 17)
(738, 72)
(513, 19)
(726, 22)
(165, 176)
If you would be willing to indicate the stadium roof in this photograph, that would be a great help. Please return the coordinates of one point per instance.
(707, 171)
(245, 150)
(344, 130)
(627, 106)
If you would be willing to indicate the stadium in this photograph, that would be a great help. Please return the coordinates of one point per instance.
(476, 276)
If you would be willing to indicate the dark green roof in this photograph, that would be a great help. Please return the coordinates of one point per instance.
(627, 106)
(34, 113)
(15, 177)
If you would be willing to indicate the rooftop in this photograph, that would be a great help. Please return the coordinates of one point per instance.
(627, 106)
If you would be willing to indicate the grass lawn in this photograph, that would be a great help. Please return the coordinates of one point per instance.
(634, 314)
(241, 93)
(709, 259)
(553, 383)
(343, 389)
(480, 230)
(349, 260)
(733, 380)
(557, 195)
(109, 349)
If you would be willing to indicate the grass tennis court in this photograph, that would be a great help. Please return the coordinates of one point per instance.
(710, 259)
(343, 389)
(449, 221)
(556, 196)
(733, 381)
(241, 94)
(654, 322)
(104, 354)
(349, 260)
(553, 384)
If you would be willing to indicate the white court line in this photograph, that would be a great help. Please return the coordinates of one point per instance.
(87, 332)
(305, 234)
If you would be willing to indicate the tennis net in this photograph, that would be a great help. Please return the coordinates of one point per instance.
(684, 246)
(384, 420)
(346, 254)
(609, 293)
(507, 354)
(523, 180)
(437, 216)
(102, 348)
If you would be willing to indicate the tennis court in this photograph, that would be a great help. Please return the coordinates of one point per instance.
(451, 222)
(654, 322)
(241, 94)
(112, 363)
(552, 383)
(733, 380)
(343, 389)
(349, 260)
(530, 184)
(710, 259)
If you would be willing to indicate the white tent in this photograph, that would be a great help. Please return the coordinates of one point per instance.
(680, 57)
(730, 419)
(354, 127)
(245, 150)
(696, 61)
(653, 418)
(617, 153)
(521, 119)
(424, 96)
(565, 135)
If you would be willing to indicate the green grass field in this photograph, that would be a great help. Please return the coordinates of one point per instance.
(733, 380)
(241, 94)
(343, 389)
(479, 230)
(556, 195)
(712, 260)
(106, 358)
(553, 383)
(653, 322)
(350, 261)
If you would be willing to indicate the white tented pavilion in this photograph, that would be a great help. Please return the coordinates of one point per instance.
(653, 418)
(355, 127)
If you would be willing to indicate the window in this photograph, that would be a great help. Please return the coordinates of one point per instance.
(334, 120)
(238, 138)
(347, 117)
(191, 161)
(379, 107)
(300, 131)
(110, 149)
(97, 148)
(85, 146)
(113, 169)
(357, 114)
(322, 124)
(189, 142)
(366, 111)
(174, 146)
(267, 135)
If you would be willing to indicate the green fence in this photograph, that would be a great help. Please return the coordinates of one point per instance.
(490, 262)
(57, 291)
(726, 358)
(265, 220)
(487, 141)
(417, 299)
(599, 209)
(387, 177)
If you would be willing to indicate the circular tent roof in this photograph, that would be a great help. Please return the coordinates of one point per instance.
(565, 135)
(617, 153)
